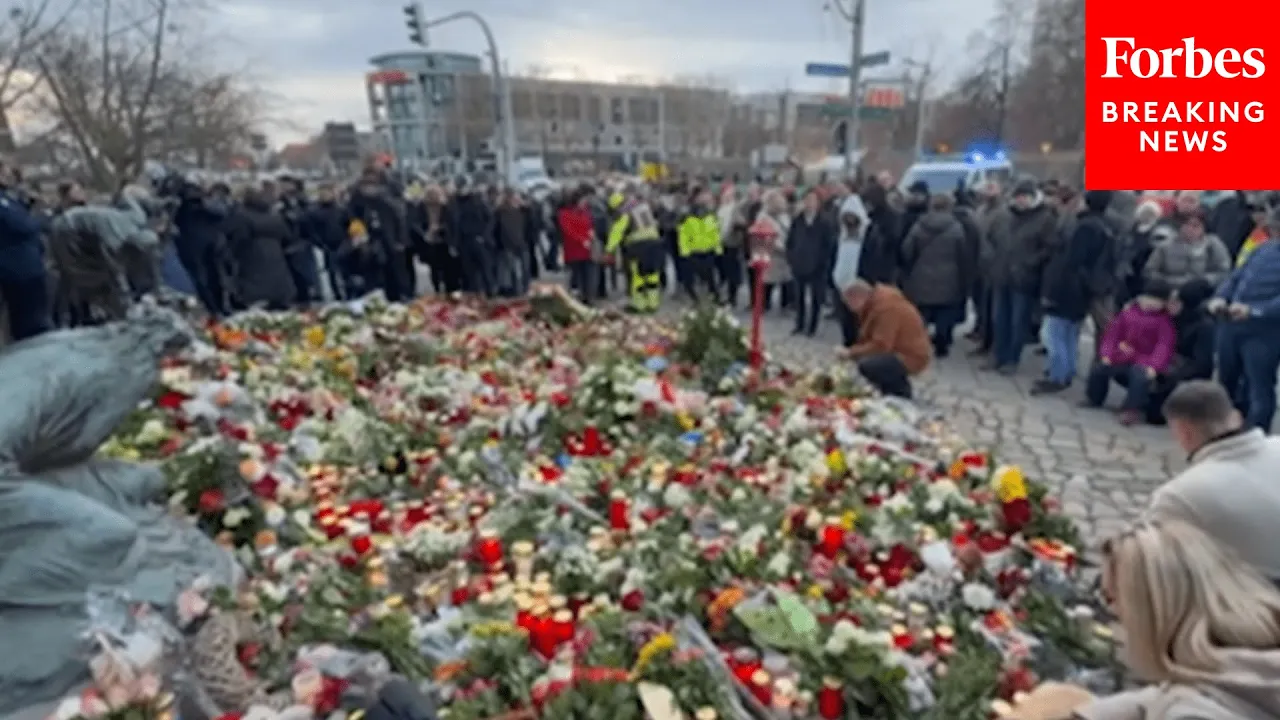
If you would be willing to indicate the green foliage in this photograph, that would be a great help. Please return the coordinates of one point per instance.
(712, 340)
(963, 693)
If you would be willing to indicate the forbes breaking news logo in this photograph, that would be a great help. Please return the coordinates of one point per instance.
(1176, 103)
(1125, 59)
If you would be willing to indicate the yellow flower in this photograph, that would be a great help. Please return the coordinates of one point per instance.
(314, 336)
(849, 519)
(815, 591)
(686, 421)
(486, 630)
(836, 462)
(661, 644)
(347, 369)
(1009, 483)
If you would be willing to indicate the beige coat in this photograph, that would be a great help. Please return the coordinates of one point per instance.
(1231, 491)
(1247, 690)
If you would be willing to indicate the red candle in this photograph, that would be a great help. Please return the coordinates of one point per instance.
(592, 444)
(831, 540)
(619, 512)
(524, 618)
(562, 629)
(831, 699)
(489, 548)
(761, 687)
(541, 636)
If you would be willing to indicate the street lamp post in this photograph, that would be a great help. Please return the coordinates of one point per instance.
(501, 86)
(922, 105)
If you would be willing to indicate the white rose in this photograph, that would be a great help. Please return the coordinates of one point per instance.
(152, 432)
(275, 516)
(836, 645)
(779, 564)
(978, 597)
(234, 517)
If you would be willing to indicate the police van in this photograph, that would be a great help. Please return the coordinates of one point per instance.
(967, 172)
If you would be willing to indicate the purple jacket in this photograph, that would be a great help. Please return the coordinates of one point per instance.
(1149, 336)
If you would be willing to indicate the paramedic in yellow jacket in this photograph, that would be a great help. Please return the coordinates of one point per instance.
(700, 245)
(635, 233)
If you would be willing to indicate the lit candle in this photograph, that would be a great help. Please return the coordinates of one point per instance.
(762, 687)
(745, 662)
(619, 512)
(562, 629)
(541, 634)
(831, 540)
(489, 547)
(522, 553)
(831, 699)
(524, 618)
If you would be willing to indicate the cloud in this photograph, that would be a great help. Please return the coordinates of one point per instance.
(313, 54)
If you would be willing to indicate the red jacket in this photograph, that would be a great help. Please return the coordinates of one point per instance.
(576, 226)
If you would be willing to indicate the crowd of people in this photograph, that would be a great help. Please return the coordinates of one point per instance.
(1177, 287)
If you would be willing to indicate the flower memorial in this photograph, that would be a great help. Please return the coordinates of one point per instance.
(568, 515)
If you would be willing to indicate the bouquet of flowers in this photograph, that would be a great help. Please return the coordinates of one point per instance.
(590, 518)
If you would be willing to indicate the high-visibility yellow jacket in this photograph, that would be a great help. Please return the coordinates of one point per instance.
(624, 232)
(699, 235)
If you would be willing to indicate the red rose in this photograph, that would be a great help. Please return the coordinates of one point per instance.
(248, 654)
(330, 695)
(633, 601)
(211, 501)
(361, 544)
(1016, 514)
(171, 400)
(265, 487)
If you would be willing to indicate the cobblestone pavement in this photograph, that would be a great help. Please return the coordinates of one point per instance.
(1103, 472)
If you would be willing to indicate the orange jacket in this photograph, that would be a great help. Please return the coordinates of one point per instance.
(891, 324)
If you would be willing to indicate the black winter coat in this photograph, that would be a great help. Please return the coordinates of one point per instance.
(811, 246)
(1080, 268)
(256, 240)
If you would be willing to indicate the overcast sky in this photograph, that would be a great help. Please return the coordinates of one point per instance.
(313, 54)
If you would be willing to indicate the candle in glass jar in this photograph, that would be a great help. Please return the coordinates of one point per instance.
(522, 555)
(524, 615)
(489, 548)
(562, 629)
(831, 699)
(542, 637)
(762, 687)
(619, 511)
(744, 662)
(831, 540)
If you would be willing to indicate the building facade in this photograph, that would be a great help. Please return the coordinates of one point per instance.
(416, 106)
(426, 106)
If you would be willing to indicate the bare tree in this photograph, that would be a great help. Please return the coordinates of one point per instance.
(980, 103)
(122, 83)
(1026, 85)
(24, 29)
(1049, 94)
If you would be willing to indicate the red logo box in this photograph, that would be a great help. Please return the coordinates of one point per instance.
(1181, 95)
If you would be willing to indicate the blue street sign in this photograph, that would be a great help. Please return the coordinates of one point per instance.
(838, 70)
(826, 70)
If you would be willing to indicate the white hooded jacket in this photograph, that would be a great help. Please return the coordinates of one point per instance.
(849, 249)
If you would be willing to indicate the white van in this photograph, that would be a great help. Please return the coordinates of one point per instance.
(969, 173)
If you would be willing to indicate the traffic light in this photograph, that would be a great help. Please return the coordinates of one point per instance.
(838, 138)
(413, 19)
